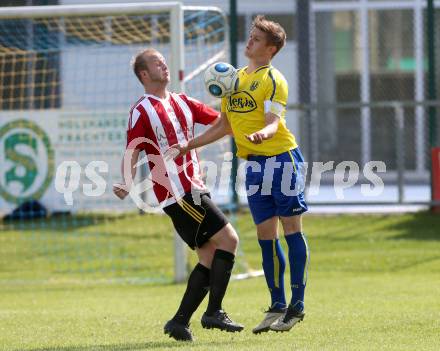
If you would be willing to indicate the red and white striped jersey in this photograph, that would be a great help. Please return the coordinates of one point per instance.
(154, 125)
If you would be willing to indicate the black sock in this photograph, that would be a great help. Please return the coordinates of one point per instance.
(220, 273)
(196, 290)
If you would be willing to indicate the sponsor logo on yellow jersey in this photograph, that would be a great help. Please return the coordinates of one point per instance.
(241, 102)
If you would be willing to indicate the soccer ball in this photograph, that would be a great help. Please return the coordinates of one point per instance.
(221, 79)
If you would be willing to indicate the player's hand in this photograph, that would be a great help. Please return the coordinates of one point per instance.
(175, 151)
(120, 190)
(256, 138)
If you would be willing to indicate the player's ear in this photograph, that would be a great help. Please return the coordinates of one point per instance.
(144, 74)
(272, 49)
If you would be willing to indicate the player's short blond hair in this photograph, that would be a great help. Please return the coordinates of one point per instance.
(275, 33)
(139, 62)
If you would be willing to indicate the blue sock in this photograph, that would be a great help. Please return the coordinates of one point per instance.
(274, 265)
(298, 259)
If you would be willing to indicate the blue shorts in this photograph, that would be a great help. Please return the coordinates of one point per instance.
(275, 185)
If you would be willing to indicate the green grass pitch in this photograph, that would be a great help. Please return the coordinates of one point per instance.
(374, 284)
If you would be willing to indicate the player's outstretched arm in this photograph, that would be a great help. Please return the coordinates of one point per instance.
(218, 130)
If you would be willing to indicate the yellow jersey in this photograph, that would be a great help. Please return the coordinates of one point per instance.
(245, 111)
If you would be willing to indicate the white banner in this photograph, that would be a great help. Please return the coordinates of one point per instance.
(33, 144)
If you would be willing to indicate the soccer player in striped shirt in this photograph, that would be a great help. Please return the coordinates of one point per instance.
(255, 115)
(158, 120)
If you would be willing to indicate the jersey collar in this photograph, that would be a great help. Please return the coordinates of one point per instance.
(257, 70)
(158, 98)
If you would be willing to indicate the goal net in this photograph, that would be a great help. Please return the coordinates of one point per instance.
(66, 87)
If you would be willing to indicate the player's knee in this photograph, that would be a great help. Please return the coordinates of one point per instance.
(291, 224)
(231, 237)
(293, 228)
(226, 239)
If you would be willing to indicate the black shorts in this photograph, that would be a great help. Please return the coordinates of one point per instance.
(195, 224)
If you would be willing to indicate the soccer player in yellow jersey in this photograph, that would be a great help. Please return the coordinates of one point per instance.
(255, 116)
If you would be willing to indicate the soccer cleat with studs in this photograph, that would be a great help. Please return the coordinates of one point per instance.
(286, 322)
(220, 320)
(178, 331)
(271, 315)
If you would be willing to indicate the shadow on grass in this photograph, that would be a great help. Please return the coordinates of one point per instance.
(419, 226)
(164, 345)
(81, 284)
(65, 222)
